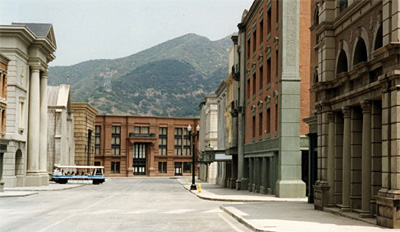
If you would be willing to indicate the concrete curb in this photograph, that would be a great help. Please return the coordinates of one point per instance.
(40, 189)
(15, 194)
(327, 210)
(242, 220)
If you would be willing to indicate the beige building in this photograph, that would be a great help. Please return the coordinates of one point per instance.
(208, 138)
(3, 106)
(29, 47)
(60, 130)
(357, 107)
(84, 120)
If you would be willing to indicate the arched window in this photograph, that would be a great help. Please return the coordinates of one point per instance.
(342, 5)
(316, 14)
(360, 53)
(378, 39)
(342, 63)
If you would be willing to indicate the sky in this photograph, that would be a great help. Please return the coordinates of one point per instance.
(108, 29)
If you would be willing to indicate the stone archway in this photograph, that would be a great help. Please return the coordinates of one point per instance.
(19, 167)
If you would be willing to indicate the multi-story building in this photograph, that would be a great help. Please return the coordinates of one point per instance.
(144, 145)
(273, 62)
(84, 129)
(208, 169)
(357, 107)
(60, 133)
(3, 106)
(29, 48)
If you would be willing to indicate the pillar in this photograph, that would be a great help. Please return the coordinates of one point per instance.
(346, 160)
(366, 160)
(43, 131)
(32, 174)
(264, 176)
(251, 174)
(331, 158)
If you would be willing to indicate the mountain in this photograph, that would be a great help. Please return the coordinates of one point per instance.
(169, 79)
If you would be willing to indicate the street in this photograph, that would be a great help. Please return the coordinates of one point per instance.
(125, 204)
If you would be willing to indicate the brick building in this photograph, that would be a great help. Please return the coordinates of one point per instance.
(273, 65)
(84, 118)
(144, 145)
(356, 79)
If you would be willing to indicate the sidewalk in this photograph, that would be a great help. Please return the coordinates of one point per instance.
(261, 212)
(28, 191)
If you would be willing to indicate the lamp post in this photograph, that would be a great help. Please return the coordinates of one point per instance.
(193, 141)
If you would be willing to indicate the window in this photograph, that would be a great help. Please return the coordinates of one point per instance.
(187, 167)
(277, 11)
(268, 121)
(145, 130)
(342, 5)
(261, 74)
(162, 141)
(248, 88)
(254, 127)
(115, 167)
(360, 54)
(260, 124)
(269, 71)
(115, 140)
(162, 167)
(261, 29)
(97, 136)
(277, 64)
(97, 163)
(186, 143)
(139, 151)
(254, 83)
(21, 116)
(342, 63)
(269, 21)
(248, 47)
(141, 130)
(178, 141)
(254, 39)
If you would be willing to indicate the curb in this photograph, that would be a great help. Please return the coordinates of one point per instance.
(242, 220)
(4, 194)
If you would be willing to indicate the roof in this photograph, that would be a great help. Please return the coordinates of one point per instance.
(39, 29)
(58, 96)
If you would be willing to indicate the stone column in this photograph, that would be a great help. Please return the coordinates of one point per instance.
(346, 160)
(242, 180)
(43, 131)
(331, 158)
(366, 160)
(32, 174)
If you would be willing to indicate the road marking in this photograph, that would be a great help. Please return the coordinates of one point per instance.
(56, 223)
(230, 223)
(180, 211)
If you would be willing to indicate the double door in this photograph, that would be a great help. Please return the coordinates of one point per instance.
(139, 159)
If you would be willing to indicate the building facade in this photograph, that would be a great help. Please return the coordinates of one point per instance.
(29, 48)
(144, 145)
(3, 107)
(208, 169)
(273, 66)
(60, 130)
(357, 103)
(84, 121)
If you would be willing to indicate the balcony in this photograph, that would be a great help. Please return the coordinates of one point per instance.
(142, 136)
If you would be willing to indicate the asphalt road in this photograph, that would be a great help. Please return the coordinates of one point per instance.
(124, 204)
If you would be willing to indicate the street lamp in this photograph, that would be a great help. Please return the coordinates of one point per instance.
(193, 143)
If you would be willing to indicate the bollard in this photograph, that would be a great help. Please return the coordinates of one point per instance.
(199, 188)
(187, 181)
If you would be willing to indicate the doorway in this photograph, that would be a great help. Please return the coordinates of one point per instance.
(139, 159)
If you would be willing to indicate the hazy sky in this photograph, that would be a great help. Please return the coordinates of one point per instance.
(96, 29)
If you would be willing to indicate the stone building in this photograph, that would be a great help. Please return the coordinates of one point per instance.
(29, 48)
(357, 107)
(3, 107)
(60, 130)
(84, 120)
(144, 145)
(208, 169)
(273, 66)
